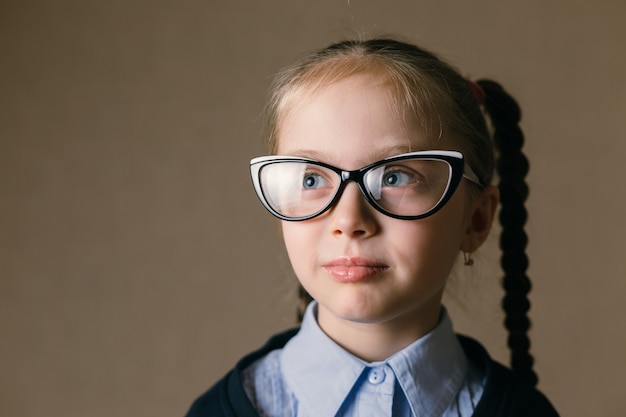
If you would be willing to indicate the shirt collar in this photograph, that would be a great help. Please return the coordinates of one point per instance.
(430, 371)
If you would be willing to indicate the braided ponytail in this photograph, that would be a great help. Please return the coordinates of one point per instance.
(512, 167)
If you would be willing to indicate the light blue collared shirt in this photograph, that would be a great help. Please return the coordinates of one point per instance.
(312, 376)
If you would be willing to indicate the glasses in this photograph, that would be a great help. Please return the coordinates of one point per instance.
(409, 186)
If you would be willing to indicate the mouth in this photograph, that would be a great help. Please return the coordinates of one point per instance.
(354, 269)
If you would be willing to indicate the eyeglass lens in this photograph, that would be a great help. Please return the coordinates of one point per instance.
(409, 187)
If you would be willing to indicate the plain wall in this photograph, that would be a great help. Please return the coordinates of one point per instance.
(136, 265)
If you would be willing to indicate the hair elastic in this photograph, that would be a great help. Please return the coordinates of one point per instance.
(478, 91)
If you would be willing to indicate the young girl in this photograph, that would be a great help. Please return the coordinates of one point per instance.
(381, 174)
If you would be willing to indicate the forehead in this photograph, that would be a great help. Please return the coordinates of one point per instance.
(406, 97)
(354, 120)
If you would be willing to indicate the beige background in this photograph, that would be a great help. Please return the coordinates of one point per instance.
(136, 264)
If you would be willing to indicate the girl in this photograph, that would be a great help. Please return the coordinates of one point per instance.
(381, 173)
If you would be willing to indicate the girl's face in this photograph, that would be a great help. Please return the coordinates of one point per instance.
(360, 265)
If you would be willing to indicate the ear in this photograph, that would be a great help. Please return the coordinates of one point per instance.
(483, 211)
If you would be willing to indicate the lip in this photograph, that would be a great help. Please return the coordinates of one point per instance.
(354, 269)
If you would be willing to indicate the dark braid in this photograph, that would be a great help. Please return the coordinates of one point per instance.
(512, 167)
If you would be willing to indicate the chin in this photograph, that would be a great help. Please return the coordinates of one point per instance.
(359, 310)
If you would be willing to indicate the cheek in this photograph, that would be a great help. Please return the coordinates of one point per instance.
(427, 259)
(288, 237)
(299, 242)
(432, 243)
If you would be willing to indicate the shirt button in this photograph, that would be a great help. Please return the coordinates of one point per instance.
(376, 376)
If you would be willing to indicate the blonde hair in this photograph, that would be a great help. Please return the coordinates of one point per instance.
(420, 83)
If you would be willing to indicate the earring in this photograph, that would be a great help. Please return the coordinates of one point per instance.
(467, 256)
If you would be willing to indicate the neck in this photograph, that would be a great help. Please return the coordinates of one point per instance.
(377, 341)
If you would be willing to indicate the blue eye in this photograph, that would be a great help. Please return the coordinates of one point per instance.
(396, 179)
(312, 181)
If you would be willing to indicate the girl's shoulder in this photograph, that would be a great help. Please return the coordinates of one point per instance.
(228, 396)
(505, 394)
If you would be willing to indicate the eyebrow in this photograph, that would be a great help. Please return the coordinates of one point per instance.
(389, 151)
(306, 153)
(373, 156)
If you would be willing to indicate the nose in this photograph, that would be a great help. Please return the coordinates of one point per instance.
(352, 216)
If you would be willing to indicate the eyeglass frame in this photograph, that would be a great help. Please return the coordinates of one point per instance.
(454, 159)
